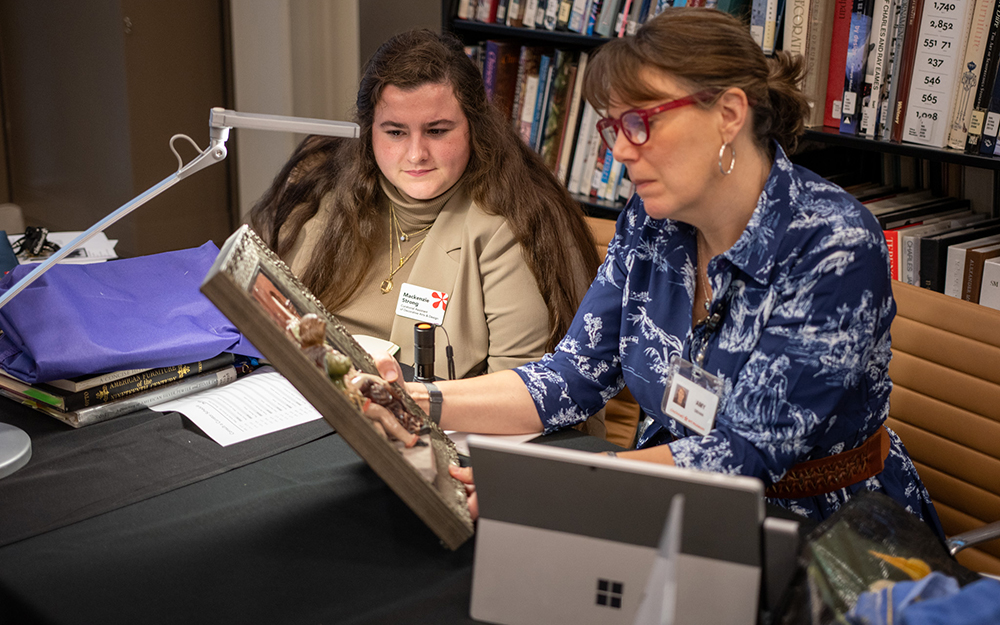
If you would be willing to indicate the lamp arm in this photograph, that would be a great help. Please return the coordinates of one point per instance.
(221, 121)
(214, 153)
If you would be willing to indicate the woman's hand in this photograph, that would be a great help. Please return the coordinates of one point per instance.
(388, 367)
(464, 475)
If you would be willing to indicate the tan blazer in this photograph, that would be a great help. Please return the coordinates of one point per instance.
(496, 316)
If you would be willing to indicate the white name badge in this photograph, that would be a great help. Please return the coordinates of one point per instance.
(692, 396)
(420, 304)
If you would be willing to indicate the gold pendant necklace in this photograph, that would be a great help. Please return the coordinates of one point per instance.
(402, 237)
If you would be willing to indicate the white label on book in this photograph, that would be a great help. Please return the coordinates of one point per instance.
(867, 123)
(992, 123)
(849, 99)
(976, 123)
(837, 108)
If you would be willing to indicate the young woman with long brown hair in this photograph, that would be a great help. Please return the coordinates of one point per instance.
(439, 193)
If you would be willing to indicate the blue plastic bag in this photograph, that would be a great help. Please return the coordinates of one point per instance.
(933, 600)
(132, 313)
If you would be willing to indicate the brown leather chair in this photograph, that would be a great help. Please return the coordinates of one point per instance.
(622, 413)
(945, 406)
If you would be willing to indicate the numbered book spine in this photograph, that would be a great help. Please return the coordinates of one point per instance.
(621, 22)
(594, 14)
(971, 68)
(873, 92)
(545, 72)
(988, 142)
(758, 12)
(984, 90)
(854, 70)
(551, 15)
(530, 12)
(578, 16)
(772, 22)
(990, 287)
(584, 142)
(838, 62)
(942, 31)
(586, 150)
(909, 52)
(515, 13)
(557, 105)
(486, 11)
(571, 138)
(892, 71)
(565, 11)
(528, 84)
(817, 57)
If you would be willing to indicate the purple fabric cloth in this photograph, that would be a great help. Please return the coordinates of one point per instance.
(125, 314)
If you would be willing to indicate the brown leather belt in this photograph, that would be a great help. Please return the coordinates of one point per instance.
(825, 475)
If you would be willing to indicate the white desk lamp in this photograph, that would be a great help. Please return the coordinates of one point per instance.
(15, 446)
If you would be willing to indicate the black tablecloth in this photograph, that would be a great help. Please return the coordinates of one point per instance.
(311, 535)
(75, 474)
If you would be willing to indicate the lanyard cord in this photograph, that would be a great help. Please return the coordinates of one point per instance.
(711, 324)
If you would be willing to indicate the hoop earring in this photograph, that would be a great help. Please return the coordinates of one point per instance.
(732, 162)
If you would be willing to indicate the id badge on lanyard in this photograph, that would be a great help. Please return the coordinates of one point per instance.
(692, 395)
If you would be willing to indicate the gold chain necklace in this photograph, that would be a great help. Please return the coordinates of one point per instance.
(402, 237)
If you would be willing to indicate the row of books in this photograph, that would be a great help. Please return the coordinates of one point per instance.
(602, 18)
(540, 91)
(91, 399)
(918, 71)
(938, 243)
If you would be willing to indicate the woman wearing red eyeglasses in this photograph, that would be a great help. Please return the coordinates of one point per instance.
(745, 301)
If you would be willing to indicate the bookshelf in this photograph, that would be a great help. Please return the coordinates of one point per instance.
(472, 32)
(861, 146)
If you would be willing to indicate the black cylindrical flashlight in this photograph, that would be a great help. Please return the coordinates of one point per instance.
(423, 352)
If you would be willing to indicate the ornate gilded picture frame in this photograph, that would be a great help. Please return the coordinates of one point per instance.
(261, 296)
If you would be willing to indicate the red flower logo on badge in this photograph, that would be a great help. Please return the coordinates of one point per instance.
(439, 299)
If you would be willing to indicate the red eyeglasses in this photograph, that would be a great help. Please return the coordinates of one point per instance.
(635, 122)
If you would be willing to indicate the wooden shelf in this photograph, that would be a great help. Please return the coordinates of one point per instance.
(832, 137)
(599, 208)
(537, 36)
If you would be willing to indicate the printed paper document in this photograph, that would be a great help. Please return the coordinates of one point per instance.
(257, 404)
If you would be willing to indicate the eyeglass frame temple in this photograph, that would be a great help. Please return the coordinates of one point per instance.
(645, 114)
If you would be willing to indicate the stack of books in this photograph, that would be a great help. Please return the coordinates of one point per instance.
(91, 399)
(937, 243)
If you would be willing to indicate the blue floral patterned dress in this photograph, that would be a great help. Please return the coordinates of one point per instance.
(803, 348)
